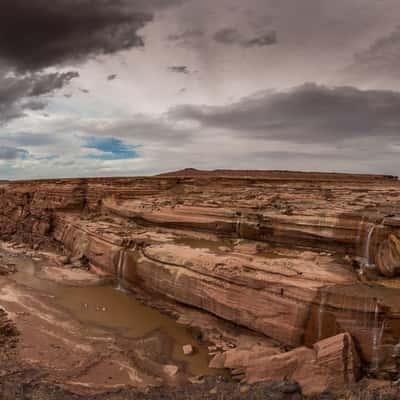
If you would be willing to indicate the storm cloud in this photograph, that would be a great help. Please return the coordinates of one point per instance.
(208, 84)
(380, 61)
(21, 93)
(308, 113)
(186, 35)
(41, 33)
(47, 83)
(231, 36)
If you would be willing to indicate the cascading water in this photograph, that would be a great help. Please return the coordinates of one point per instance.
(367, 250)
(368, 245)
(360, 229)
(321, 311)
(120, 270)
(238, 224)
(377, 333)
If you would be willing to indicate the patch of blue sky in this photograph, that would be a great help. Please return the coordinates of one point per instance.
(110, 148)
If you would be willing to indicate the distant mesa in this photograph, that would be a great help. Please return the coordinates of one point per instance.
(277, 174)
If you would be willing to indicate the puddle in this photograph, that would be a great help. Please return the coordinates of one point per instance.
(205, 244)
(118, 310)
(108, 307)
(274, 254)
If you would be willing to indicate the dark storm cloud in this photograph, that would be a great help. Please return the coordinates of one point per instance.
(305, 114)
(12, 153)
(20, 93)
(231, 36)
(44, 84)
(266, 39)
(189, 38)
(34, 105)
(39, 33)
(179, 69)
(186, 35)
(228, 36)
(380, 61)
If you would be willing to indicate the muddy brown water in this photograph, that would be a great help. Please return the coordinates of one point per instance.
(214, 246)
(227, 246)
(118, 311)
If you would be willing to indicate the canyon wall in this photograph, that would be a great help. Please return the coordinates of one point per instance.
(297, 257)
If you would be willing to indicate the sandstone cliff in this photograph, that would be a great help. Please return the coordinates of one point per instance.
(298, 257)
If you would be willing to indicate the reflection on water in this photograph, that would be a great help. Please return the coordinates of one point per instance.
(111, 308)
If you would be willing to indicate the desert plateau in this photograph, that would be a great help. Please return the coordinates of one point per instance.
(257, 284)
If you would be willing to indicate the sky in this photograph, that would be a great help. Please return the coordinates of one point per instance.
(139, 87)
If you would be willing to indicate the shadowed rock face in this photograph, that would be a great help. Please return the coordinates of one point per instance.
(8, 337)
(301, 258)
(7, 329)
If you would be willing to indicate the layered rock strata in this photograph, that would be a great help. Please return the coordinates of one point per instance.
(301, 258)
(331, 363)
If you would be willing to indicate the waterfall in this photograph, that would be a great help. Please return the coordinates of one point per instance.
(368, 245)
(238, 224)
(321, 311)
(367, 253)
(377, 334)
(360, 229)
(120, 270)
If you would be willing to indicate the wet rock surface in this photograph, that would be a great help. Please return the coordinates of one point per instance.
(283, 275)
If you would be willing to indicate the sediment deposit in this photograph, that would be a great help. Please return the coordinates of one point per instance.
(308, 262)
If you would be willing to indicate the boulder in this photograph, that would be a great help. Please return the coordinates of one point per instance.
(170, 370)
(187, 349)
(330, 364)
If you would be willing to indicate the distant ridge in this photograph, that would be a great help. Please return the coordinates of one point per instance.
(276, 174)
(272, 175)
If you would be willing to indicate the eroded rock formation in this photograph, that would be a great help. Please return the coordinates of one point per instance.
(308, 260)
(330, 363)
